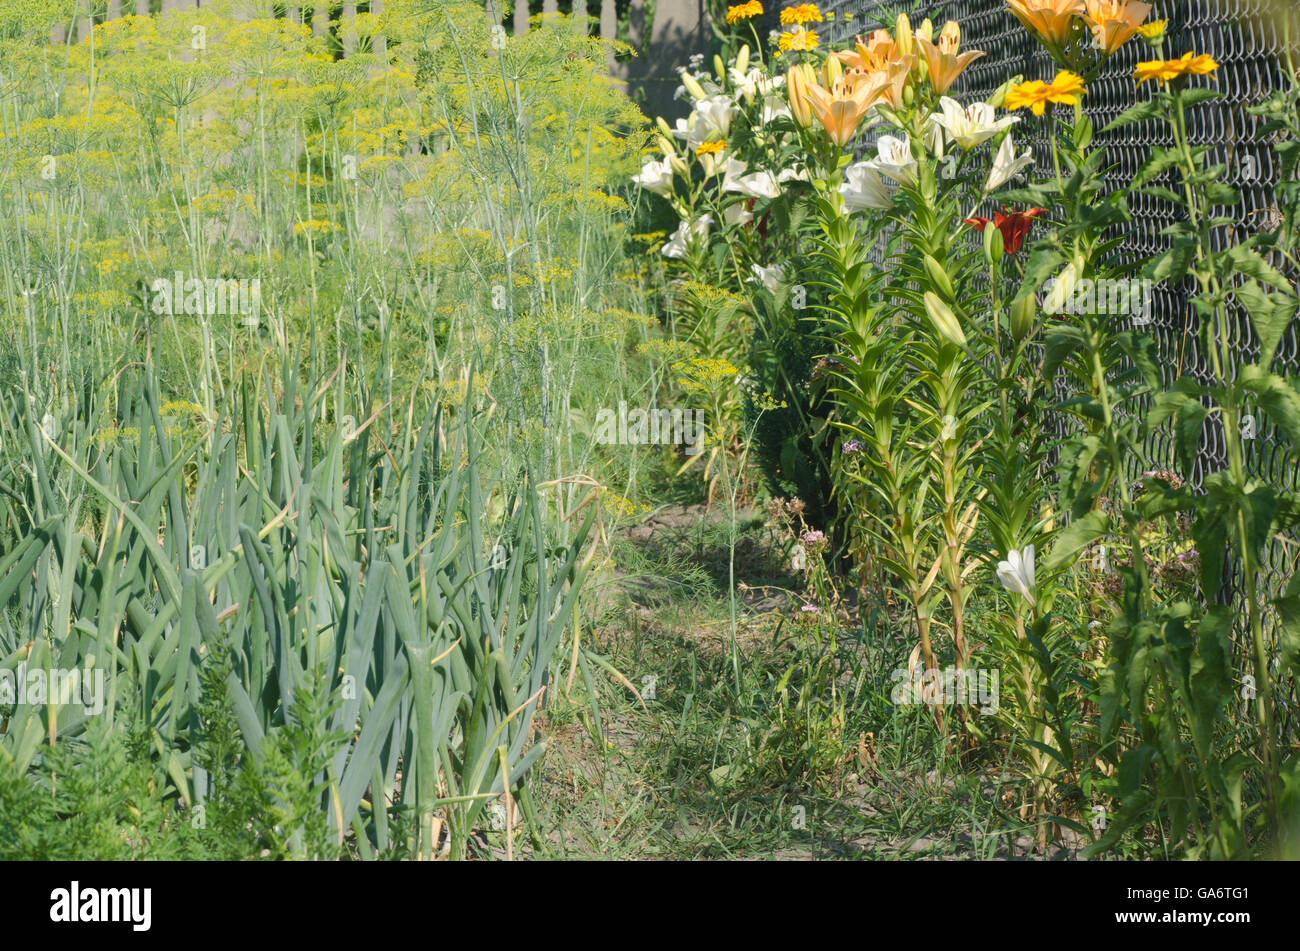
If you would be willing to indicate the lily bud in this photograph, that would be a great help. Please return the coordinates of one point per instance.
(1023, 311)
(1000, 94)
(903, 35)
(742, 59)
(795, 87)
(679, 166)
(944, 320)
(926, 30)
(693, 87)
(664, 127)
(938, 277)
(666, 146)
(719, 67)
(834, 70)
(993, 244)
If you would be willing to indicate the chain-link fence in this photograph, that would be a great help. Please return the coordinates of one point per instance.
(1243, 38)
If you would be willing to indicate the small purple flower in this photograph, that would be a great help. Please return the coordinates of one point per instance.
(813, 537)
(810, 609)
(852, 446)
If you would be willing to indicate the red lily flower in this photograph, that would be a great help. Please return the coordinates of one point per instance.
(1014, 226)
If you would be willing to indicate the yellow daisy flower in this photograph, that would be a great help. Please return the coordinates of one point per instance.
(1154, 30)
(1163, 71)
(1065, 89)
(744, 11)
(801, 14)
(799, 39)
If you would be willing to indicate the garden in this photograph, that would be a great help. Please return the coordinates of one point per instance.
(413, 449)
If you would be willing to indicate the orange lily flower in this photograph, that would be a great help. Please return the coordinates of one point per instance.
(896, 76)
(879, 56)
(1113, 22)
(842, 108)
(872, 56)
(1049, 20)
(945, 63)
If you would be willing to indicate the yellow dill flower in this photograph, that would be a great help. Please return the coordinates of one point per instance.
(706, 374)
(710, 148)
(111, 263)
(744, 11)
(180, 406)
(323, 227)
(1167, 70)
(799, 39)
(1065, 89)
(622, 507)
(801, 14)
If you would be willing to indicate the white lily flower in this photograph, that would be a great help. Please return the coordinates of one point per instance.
(711, 120)
(760, 184)
(769, 277)
(1007, 165)
(656, 177)
(733, 170)
(1017, 572)
(972, 125)
(864, 188)
(744, 83)
(775, 107)
(894, 159)
(737, 214)
(795, 173)
(753, 83)
(677, 245)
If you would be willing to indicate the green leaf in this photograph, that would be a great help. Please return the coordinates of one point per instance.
(1221, 195)
(1174, 264)
(1199, 94)
(1189, 416)
(1076, 536)
(1247, 261)
(1278, 398)
(1270, 315)
(1137, 113)
(1161, 160)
